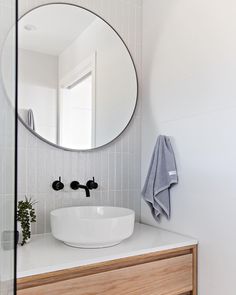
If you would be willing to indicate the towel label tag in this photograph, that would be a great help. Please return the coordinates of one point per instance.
(172, 173)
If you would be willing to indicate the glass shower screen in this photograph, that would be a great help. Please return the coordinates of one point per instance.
(8, 63)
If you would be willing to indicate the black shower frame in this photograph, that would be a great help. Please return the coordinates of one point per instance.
(16, 150)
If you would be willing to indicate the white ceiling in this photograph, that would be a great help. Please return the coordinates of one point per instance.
(57, 26)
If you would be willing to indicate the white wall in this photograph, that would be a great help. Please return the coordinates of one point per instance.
(116, 90)
(38, 81)
(116, 166)
(189, 93)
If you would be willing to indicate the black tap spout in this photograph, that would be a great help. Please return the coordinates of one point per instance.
(86, 190)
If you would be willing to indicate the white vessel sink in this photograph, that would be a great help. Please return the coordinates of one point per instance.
(92, 227)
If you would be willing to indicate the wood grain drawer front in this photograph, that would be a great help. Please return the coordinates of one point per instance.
(173, 276)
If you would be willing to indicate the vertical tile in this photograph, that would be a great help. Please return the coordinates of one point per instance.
(40, 210)
(22, 171)
(119, 170)
(104, 181)
(112, 171)
(32, 171)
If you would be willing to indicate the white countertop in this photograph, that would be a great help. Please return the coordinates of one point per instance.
(45, 254)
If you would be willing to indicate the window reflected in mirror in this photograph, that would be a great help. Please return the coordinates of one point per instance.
(76, 114)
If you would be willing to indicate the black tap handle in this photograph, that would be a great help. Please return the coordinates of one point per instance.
(58, 185)
(75, 185)
(91, 184)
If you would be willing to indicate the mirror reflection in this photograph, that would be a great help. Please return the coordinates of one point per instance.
(77, 81)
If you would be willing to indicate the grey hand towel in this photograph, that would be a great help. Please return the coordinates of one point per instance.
(30, 119)
(161, 176)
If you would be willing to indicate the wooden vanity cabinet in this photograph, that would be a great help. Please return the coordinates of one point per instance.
(171, 272)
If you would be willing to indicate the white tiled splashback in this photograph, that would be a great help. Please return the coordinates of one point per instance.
(116, 166)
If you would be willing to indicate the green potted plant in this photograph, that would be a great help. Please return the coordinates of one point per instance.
(25, 216)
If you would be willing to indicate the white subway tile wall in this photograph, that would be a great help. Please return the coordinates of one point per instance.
(116, 167)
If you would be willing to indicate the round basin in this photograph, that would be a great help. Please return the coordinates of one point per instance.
(92, 227)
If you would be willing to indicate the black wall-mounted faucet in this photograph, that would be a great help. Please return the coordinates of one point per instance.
(91, 184)
(58, 185)
(75, 185)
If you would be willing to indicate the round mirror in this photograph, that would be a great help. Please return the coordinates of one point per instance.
(77, 83)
